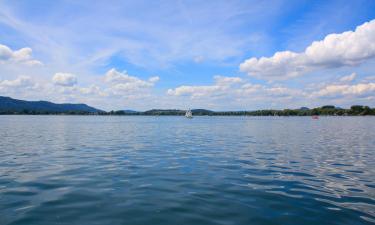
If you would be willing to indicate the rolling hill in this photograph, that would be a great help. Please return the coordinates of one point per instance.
(10, 105)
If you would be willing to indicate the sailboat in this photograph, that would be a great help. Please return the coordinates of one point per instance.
(189, 114)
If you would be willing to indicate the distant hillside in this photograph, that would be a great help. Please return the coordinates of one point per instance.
(13, 106)
(199, 112)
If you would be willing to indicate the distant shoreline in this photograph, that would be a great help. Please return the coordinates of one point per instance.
(354, 111)
(10, 106)
(94, 115)
(321, 111)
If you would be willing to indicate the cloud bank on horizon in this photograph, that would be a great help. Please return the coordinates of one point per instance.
(236, 55)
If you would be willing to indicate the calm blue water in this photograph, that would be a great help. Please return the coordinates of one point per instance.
(172, 170)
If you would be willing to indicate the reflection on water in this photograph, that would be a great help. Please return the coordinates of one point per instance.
(170, 170)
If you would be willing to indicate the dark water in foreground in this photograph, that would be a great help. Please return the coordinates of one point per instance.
(172, 170)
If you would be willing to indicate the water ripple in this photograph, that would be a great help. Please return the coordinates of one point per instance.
(169, 170)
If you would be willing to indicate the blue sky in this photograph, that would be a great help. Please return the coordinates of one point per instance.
(221, 55)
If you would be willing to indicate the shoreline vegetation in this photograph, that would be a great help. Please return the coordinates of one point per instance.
(356, 110)
(10, 106)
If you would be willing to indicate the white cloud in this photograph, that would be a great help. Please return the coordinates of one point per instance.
(275, 92)
(22, 56)
(221, 84)
(22, 81)
(283, 92)
(93, 89)
(22, 85)
(64, 79)
(348, 78)
(248, 89)
(336, 50)
(361, 89)
(242, 94)
(233, 88)
(154, 79)
(194, 91)
(5, 53)
(119, 88)
(225, 81)
(235, 93)
(77, 91)
(122, 82)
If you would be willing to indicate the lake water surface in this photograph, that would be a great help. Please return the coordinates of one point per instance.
(172, 170)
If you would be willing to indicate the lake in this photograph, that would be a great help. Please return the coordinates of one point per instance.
(173, 170)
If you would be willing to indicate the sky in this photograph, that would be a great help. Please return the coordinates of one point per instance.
(218, 55)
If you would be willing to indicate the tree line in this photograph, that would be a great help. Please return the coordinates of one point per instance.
(327, 110)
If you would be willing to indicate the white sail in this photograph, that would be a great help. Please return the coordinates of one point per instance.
(189, 114)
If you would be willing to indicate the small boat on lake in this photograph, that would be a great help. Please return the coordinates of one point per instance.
(315, 117)
(189, 114)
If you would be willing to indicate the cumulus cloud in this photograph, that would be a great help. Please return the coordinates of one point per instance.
(194, 91)
(64, 79)
(336, 50)
(123, 82)
(119, 84)
(234, 88)
(361, 89)
(249, 90)
(240, 93)
(77, 91)
(22, 81)
(221, 84)
(18, 86)
(22, 56)
(92, 89)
